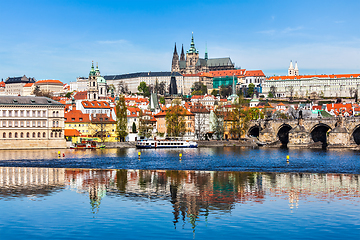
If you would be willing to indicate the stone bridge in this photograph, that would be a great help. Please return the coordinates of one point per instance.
(331, 132)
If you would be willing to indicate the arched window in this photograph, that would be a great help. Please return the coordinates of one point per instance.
(59, 135)
(33, 135)
(16, 135)
(44, 134)
(28, 135)
(4, 135)
(10, 135)
(22, 135)
(52, 134)
(56, 134)
(38, 134)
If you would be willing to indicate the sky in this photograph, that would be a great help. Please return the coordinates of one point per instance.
(59, 39)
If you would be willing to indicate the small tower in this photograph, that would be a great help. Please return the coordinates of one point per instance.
(206, 53)
(192, 57)
(175, 61)
(296, 71)
(92, 84)
(291, 70)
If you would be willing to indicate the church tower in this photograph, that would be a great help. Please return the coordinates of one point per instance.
(291, 71)
(192, 57)
(92, 84)
(296, 71)
(175, 61)
(182, 56)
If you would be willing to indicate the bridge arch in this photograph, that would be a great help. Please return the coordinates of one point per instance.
(356, 134)
(319, 133)
(283, 133)
(254, 131)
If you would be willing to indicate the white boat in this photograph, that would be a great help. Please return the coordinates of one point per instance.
(165, 144)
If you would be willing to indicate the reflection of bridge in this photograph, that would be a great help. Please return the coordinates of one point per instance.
(334, 132)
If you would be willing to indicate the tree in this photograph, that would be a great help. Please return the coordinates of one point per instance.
(175, 121)
(291, 90)
(225, 91)
(122, 88)
(162, 88)
(162, 100)
(68, 94)
(250, 90)
(144, 89)
(36, 91)
(199, 87)
(121, 118)
(199, 92)
(240, 118)
(145, 127)
(214, 92)
(218, 123)
(99, 126)
(272, 91)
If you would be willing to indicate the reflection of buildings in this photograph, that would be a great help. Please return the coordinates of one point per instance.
(193, 194)
(19, 182)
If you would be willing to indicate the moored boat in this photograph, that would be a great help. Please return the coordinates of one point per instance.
(165, 144)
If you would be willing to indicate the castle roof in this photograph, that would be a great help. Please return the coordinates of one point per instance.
(333, 76)
(254, 73)
(141, 74)
(49, 81)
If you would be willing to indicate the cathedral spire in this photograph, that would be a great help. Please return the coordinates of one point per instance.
(182, 56)
(92, 71)
(175, 51)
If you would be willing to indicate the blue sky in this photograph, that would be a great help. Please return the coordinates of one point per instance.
(59, 39)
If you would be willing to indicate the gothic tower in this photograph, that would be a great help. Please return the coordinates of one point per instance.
(175, 61)
(192, 57)
(182, 56)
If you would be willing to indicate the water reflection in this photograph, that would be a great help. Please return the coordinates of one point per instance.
(192, 194)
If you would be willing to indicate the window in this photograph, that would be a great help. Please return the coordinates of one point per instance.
(80, 119)
(38, 134)
(28, 135)
(44, 113)
(59, 134)
(72, 119)
(22, 135)
(21, 113)
(16, 135)
(4, 124)
(10, 135)
(39, 124)
(56, 134)
(28, 123)
(44, 124)
(10, 123)
(44, 134)
(28, 113)
(16, 123)
(16, 113)
(4, 135)
(52, 134)
(10, 113)
(39, 113)
(33, 135)
(33, 113)
(33, 123)
(4, 113)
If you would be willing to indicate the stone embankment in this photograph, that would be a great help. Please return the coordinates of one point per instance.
(225, 143)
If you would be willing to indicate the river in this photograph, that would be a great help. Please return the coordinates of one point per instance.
(210, 193)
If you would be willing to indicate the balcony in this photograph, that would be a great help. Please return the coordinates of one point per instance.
(56, 129)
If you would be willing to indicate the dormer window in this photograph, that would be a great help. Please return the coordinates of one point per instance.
(80, 119)
(72, 119)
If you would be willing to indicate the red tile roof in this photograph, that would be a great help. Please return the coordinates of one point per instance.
(49, 81)
(80, 95)
(254, 73)
(334, 76)
(95, 104)
(27, 85)
(72, 133)
(224, 73)
(76, 116)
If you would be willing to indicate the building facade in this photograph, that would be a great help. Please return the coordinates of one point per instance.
(14, 85)
(31, 122)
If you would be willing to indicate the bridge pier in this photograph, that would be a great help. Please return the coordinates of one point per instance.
(267, 135)
(339, 136)
(298, 136)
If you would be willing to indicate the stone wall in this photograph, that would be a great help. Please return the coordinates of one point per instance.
(6, 144)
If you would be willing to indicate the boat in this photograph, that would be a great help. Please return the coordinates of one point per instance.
(165, 144)
(85, 145)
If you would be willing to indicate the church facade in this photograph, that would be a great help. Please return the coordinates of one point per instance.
(96, 88)
(191, 63)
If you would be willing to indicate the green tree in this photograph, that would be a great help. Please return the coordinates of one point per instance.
(218, 122)
(121, 118)
(145, 127)
(162, 100)
(68, 95)
(200, 88)
(175, 121)
(37, 91)
(144, 89)
(214, 92)
(239, 118)
(251, 89)
(199, 92)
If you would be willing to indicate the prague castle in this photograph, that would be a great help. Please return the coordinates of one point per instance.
(192, 64)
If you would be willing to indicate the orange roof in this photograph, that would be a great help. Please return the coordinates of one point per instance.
(80, 95)
(253, 73)
(49, 81)
(163, 112)
(2, 83)
(95, 104)
(76, 116)
(224, 73)
(72, 133)
(281, 104)
(28, 84)
(102, 117)
(334, 76)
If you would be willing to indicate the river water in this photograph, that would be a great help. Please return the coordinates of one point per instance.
(210, 193)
